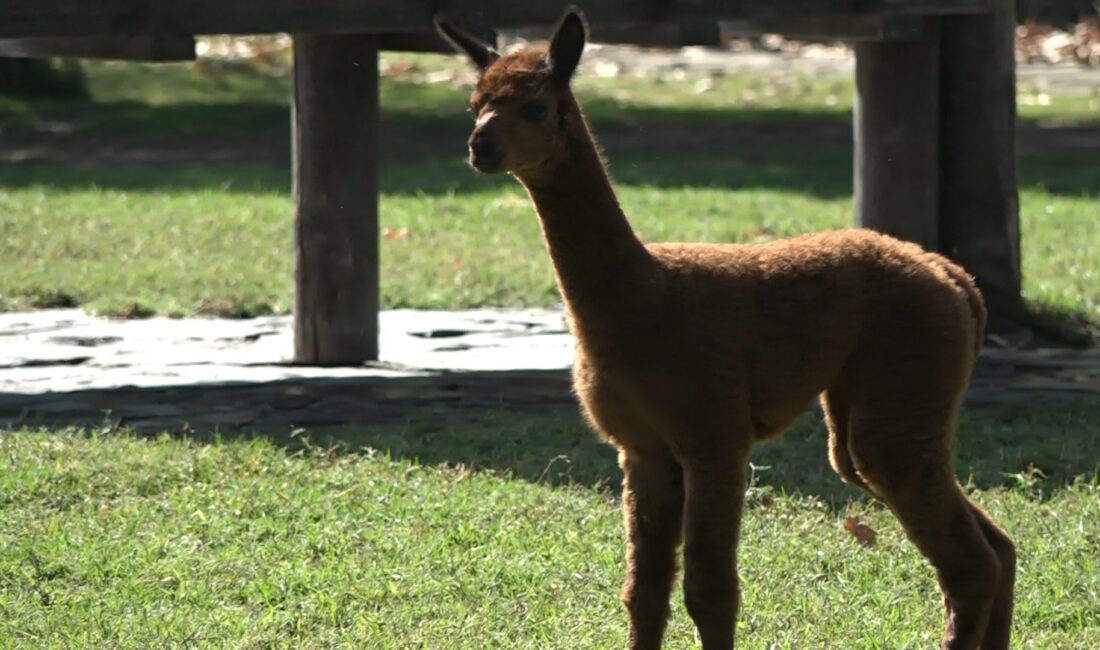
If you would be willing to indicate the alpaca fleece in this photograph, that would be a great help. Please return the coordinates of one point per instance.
(687, 354)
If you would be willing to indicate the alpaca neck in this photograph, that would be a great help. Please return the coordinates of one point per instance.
(603, 269)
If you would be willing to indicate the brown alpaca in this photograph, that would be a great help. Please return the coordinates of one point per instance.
(687, 354)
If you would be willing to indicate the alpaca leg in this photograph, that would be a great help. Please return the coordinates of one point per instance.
(837, 405)
(907, 463)
(1000, 619)
(712, 520)
(653, 498)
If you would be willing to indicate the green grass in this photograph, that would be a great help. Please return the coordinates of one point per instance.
(500, 531)
(170, 192)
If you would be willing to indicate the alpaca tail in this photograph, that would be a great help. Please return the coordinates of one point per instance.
(965, 282)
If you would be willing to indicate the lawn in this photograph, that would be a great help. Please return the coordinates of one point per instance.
(169, 192)
(497, 533)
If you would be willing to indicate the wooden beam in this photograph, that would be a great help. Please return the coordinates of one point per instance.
(865, 7)
(419, 42)
(336, 195)
(651, 34)
(896, 124)
(979, 204)
(20, 18)
(829, 28)
(938, 7)
(431, 41)
(844, 28)
(164, 47)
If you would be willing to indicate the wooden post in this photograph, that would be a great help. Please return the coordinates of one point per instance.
(896, 137)
(979, 205)
(336, 194)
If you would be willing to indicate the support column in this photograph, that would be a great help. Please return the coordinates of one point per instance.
(896, 129)
(335, 140)
(979, 205)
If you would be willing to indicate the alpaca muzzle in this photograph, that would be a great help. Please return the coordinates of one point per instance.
(485, 155)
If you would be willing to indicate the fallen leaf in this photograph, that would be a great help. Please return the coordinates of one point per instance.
(758, 233)
(399, 68)
(862, 532)
(704, 85)
(395, 234)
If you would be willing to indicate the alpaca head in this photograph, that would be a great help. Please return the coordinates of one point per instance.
(522, 104)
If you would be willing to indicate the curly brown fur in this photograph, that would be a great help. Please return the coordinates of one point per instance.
(687, 354)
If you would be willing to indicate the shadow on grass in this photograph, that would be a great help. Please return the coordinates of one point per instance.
(526, 424)
(245, 147)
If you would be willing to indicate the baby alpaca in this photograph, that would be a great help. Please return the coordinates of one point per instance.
(687, 354)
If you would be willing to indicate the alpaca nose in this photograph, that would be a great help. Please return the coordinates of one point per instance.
(482, 145)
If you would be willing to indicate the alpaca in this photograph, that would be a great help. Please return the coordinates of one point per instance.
(687, 354)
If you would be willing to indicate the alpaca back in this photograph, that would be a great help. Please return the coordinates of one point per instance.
(776, 324)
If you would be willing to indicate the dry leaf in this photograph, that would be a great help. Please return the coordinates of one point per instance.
(757, 233)
(395, 234)
(862, 532)
(399, 68)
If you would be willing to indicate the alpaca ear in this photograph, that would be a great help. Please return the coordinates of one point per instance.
(566, 46)
(482, 54)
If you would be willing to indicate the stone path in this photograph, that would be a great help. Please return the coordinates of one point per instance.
(64, 367)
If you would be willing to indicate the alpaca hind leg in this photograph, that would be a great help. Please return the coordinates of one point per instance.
(712, 520)
(1000, 619)
(653, 498)
(837, 405)
(907, 462)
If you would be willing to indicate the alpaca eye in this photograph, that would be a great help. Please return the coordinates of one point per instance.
(534, 111)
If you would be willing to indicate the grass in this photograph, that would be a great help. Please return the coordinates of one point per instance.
(497, 532)
(169, 192)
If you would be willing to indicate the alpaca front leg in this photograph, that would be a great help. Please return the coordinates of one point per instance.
(653, 497)
(712, 520)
